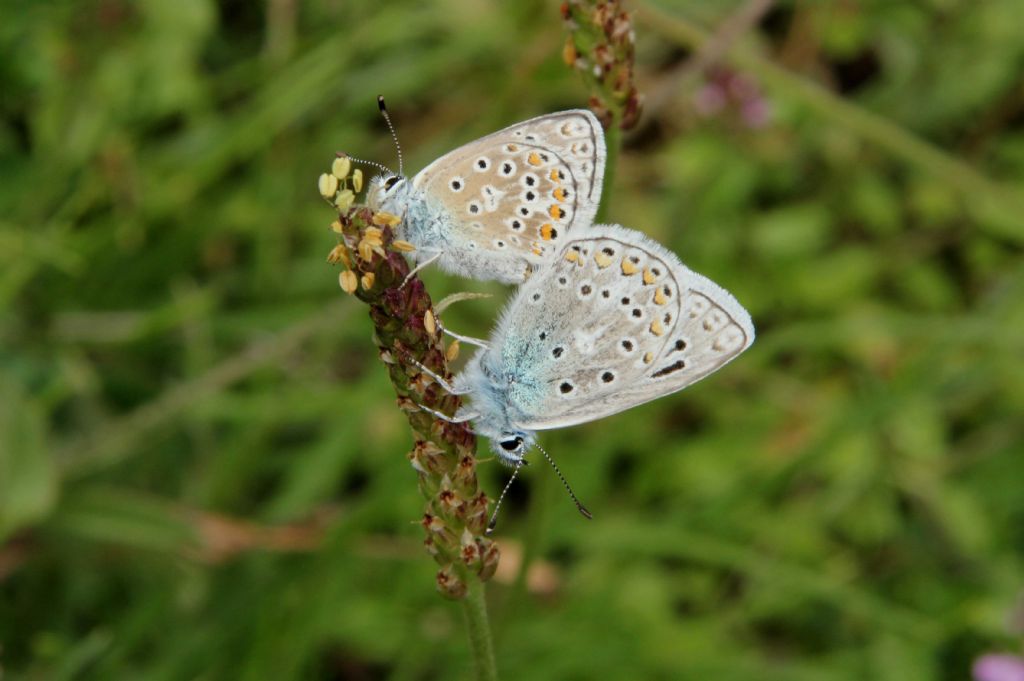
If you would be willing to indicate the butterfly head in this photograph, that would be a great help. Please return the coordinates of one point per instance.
(511, 446)
(388, 193)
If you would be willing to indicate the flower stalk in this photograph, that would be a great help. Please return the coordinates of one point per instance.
(408, 336)
(601, 47)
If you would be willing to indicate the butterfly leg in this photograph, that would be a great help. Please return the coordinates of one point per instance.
(458, 418)
(466, 339)
(429, 261)
(448, 387)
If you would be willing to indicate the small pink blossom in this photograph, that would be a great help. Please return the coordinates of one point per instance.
(994, 667)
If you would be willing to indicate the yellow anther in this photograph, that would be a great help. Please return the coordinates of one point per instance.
(452, 353)
(344, 199)
(336, 226)
(367, 280)
(357, 180)
(339, 254)
(648, 276)
(628, 267)
(340, 167)
(403, 246)
(374, 236)
(382, 218)
(659, 297)
(602, 260)
(365, 250)
(328, 185)
(428, 323)
(533, 159)
(656, 328)
(348, 281)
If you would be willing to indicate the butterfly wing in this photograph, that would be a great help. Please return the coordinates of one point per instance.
(614, 322)
(512, 197)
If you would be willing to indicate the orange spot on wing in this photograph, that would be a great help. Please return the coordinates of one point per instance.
(628, 267)
(545, 231)
(572, 256)
(659, 298)
(533, 159)
(554, 176)
(656, 328)
(559, 194)
(648, 358)
(648, 276)
(602, 260)
(556, 212)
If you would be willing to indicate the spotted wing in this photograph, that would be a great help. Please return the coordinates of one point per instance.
(616, 321)
(518, 192)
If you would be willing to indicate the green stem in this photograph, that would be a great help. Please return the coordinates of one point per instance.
(612, 141)
(1003, 202)
(479, 628)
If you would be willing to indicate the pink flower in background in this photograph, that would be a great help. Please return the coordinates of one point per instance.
(994, 667)
(732, 92)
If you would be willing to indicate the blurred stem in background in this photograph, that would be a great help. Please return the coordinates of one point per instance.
(998, 208)
(409, 337)
(601, 47)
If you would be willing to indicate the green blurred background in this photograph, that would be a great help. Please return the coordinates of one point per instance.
(202, 469)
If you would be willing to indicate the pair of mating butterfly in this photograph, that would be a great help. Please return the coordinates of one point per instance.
(604, 319)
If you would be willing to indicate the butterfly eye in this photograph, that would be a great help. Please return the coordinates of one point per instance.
(512, 445)
(390, 182)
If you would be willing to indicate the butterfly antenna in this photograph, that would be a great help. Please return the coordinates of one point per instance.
(387, 119)
(379, 166)
(501, 497)
(580, 507)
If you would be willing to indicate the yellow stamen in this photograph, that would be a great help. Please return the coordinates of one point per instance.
(328, 185)
(357, 180)
(382, 218)
(340, 167)
(339, 254)
(367, 280)
(403, 246)
(336, 226)
(348, 281)
(344, 199)
(428, 323)
(452, 353)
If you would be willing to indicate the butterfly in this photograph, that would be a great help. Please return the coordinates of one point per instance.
(503, 205)
(615, 320)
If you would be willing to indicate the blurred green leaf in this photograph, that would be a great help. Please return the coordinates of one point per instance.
(28, 480)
